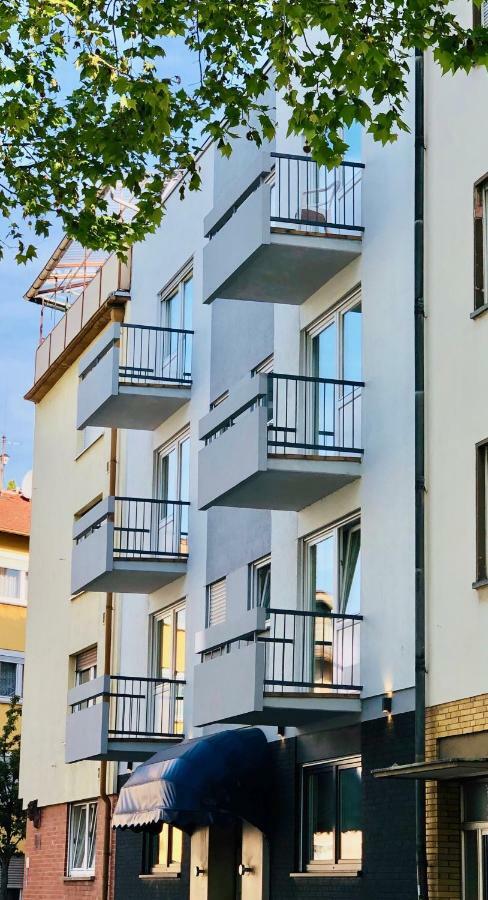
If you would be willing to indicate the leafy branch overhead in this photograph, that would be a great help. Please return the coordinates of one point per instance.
(90, 97)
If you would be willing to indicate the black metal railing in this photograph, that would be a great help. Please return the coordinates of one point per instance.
(154, 356)
(313, 415)
(305, 651)
(310, 650)
(142, 707)
(306, 194)
(145, 529)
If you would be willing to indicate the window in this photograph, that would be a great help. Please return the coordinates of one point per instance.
(480, 14)
(169, 651)
(176, 305)
(331, 816)
(260, 583)
(85, 671)
(481, 512)
(13, 584)
(173, 484)
(82, 834)
(333, 584)
(163, 851)
(480, 221)
(216, 603)
(11, 674)
(475, 840)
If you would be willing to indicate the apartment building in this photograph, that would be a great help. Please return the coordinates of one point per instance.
(225, 534)
(14, 567)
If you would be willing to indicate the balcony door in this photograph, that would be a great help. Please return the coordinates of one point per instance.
(173, 484)
(333, 574)
(335, 352)
(176, 317)
(169, 666)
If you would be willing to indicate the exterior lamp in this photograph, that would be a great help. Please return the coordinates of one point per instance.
(387, 703)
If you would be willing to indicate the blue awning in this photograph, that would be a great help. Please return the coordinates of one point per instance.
(209, 780)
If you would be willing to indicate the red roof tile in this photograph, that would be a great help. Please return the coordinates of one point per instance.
(15, 513)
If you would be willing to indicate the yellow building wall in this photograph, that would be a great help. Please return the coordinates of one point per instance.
(12, 627)
(64, 481)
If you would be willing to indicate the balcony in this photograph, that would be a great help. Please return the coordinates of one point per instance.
(281, 442)
(103, 299)
(119, 718)
(135, 376)
(283, 239)
(130, 545)
(278, 667)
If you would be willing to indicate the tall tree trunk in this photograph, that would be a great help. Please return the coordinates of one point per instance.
(3, 878)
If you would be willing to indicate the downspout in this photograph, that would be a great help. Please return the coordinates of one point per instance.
(107, 664)
(420, 817)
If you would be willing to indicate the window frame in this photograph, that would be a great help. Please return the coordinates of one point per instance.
(335, 530)
(480, 246)
(208, 590)
(254, 569)
(481, 477)
(12, 657)
(21, 598)
(85, 871)
(335, 315)
(480, 827)
(176, 289)
(151, 850)
(322, 867)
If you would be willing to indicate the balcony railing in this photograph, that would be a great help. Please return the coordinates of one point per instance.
(140, 708)
(305, 652)
(306, 415)
(145, 529)
(308, 195)
(154, 356)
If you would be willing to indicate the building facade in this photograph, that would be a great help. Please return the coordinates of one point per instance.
(223, 537)
(14, 567)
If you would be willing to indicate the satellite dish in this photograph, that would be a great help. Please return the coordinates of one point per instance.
(26, 486)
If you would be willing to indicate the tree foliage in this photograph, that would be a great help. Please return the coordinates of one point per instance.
(12, 817)
(89, 99)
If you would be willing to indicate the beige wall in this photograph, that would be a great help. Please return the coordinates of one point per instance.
(456, 381)
(58, 625)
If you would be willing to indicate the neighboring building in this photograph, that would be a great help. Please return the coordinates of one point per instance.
(224, 534)
(15, 511)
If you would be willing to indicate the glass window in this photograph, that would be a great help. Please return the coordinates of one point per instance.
(82, 834)
(173, 485)
(481, 512)
(260, 583)
(10, 583)
(331, 815)
(8, 679)
(163, 852)
(475, 840)
(169, 666)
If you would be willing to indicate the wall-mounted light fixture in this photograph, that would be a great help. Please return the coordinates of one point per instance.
(387, 703)
(245, 870)
(197, 871)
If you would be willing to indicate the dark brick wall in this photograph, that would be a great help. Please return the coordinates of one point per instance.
(388, 821)
(128, 866)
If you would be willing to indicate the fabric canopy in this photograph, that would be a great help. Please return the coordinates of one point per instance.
(208, 780)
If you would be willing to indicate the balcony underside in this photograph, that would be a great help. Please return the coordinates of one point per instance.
(141, 407)
(289, 269)
(134, 749)
(137, 577)
(290, 484)
(297, 710)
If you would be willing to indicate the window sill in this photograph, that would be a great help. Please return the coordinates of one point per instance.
(157, 876)
(481, 583)
(75, 879)
(332, 872)
(89, 446)
(479, 311)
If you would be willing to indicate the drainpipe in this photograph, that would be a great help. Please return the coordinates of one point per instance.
(107, 663)
(420, 823)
